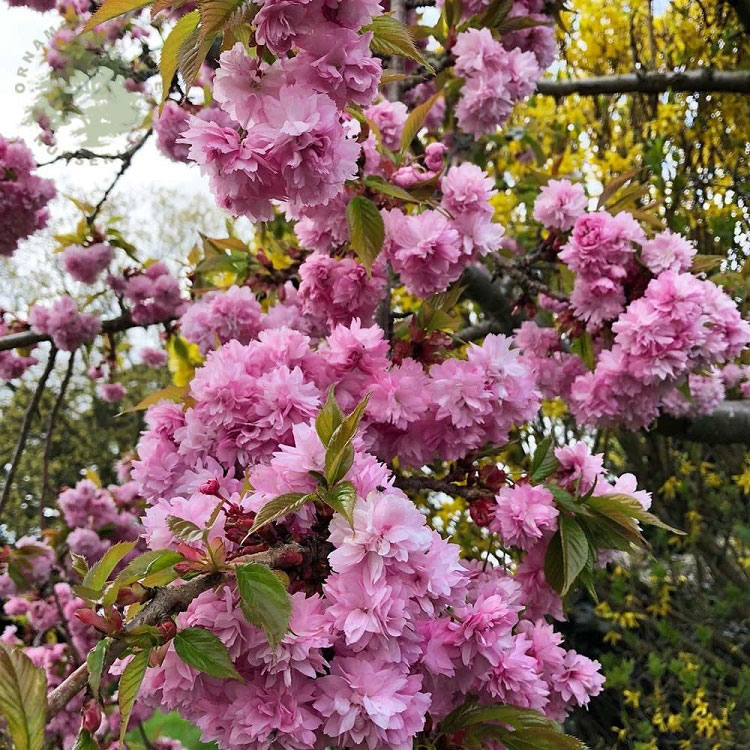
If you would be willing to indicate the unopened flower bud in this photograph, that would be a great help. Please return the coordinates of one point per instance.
(167, 629)
(481, 512)
(92, 716)
(211, 487)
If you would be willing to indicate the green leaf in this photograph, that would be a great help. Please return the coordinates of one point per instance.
(23, 698)
(176, 393)
(628, 506)
(265, 602)
(130, 683)
(543, 462)
(495, 14)
(202, 650)
(379, 185)
(146, 564)
(111, 9)
(85, 741)
(185, 531)
(191, 55)
(391, 37)
(366, 230)
(452, 12)
(79, 564)
(583, 346)
(342, 498)
(575, 550)
(216, 15)
(518, 23)
(329, 418)
(95, 664)
(415, 120)
(140, 568)
(98, 575)
(170, 50)
(279, 507)
(339, 453)
(554, 570)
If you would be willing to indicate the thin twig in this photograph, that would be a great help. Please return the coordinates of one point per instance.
(418, 484)
(48, 443)
(66, 629)
(24, 434)
(127, 159)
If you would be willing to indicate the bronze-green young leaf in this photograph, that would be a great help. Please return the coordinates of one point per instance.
(339, 452)
(95, 664)
(97, 576)
(391, 37)
(341, 498)
(329, 418)
(111, 9)
(23, 698)
(185, 531)
(264, 600)
(279, 507)
(168, 63)
(130, 683)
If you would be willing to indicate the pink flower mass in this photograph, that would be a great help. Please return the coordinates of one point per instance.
(376, 426)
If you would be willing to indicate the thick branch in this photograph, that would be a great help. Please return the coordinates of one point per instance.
(29, 338)
(167, 602)
(489, 295)
(728, 423)
(651, 82)
(24, 434)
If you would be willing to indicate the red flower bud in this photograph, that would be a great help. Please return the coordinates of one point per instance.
(211, 487)
(167, 629)
(290, 559)
(91, 716)
(481, 511)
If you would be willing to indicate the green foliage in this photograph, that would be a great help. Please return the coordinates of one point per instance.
(366, 229)
(87, 435)
(202, 650)
(23, 698)
(265, 602)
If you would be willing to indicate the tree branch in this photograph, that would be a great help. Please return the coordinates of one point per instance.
(29, 338)
(728, 423)
(25, 427)
(50, 429)
(418, 484)
(167, 601)
(127, 158)
(651, 82)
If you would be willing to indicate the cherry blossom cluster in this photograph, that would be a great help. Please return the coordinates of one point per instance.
(286, 138)
(495, 79)
(247, 399)
(154, 295)
(389, 632)
(12, 364)
(23, 195)
(654, 326)
(64, 324)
